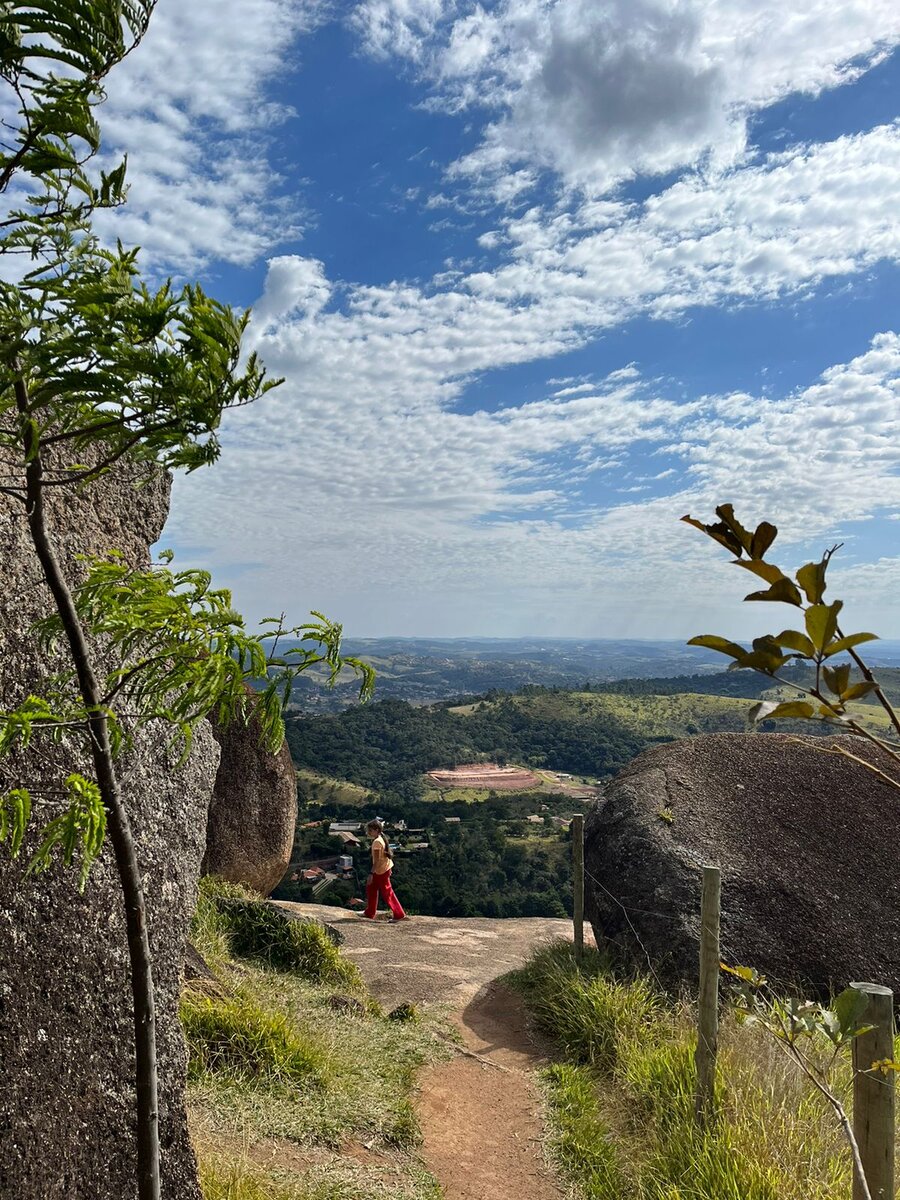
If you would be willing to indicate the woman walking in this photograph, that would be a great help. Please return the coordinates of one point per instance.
(379, 882)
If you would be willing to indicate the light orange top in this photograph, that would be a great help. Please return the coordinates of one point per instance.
(381, 855)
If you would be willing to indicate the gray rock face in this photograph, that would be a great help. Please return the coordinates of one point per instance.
(66, 1034)
(250, 832)
(807, 846)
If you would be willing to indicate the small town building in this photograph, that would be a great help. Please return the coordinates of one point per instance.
(348, 839)
(344, 827)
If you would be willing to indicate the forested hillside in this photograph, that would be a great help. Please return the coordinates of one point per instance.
(388, 745)
(488, 859)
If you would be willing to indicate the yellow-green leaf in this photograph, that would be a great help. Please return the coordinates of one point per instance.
(720, 644)
(845, 643)
(782, 590)
(767, 571)
(793, 639)
(812, 579)
(837, 678)
(762, 539)
(821, 623)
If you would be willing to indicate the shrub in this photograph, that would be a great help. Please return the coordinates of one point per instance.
(239, 1038)
(258, 930)
(587, 1011)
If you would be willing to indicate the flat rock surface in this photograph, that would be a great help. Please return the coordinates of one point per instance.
(434, 959)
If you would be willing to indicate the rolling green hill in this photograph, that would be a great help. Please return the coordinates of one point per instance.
(648, 717)
(389, 746)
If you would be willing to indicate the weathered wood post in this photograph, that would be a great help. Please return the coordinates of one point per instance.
(874, 1094)
(708, 1017)
(578, 883)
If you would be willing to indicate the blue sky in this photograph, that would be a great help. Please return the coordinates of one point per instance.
(541, 276)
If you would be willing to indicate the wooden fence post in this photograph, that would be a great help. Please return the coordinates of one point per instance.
(578, 883)
(708, 1019)
(874, 1094)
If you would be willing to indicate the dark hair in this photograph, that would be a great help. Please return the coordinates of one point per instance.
(379, 825)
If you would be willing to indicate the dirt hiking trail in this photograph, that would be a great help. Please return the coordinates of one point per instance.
(480, 1113)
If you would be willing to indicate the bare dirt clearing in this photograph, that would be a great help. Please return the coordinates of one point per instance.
(486, 775)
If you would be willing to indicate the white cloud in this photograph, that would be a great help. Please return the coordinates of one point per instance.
(476, 520)
(601, 92)
(193, 111)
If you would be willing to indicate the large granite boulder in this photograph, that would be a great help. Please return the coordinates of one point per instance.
(253, 813)
(806, 842)
(66, 1033)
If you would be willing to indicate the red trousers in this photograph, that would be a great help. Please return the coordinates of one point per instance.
(380, 885)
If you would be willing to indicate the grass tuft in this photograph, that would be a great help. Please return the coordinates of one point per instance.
(241, 1039)
(590, 1013)
(621, 1111)
(228, 921)
(404, 1012)
(234, 1180)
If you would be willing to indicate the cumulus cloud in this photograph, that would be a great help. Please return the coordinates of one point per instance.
(452, 516)
(192, 110)
(367, 454)
(601, 92)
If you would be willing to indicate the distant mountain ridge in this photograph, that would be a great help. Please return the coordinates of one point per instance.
(428, 670)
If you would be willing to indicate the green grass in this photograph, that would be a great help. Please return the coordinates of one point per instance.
(283, 1057)
(323, 789)
(210, 926)
(454, 795)
(679, 715)
(581, 1142)
(367, 1065)
(265, 933)
(243, 1040)
(228, 921)
(590, 1014)
(621, 1108)
(224, 1178)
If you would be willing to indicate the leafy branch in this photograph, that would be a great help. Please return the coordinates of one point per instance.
(833, 689)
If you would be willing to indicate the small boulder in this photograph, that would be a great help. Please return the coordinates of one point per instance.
(250, 829)
(806, 841)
